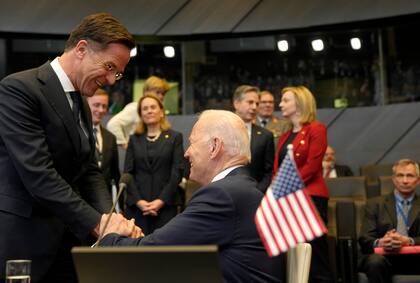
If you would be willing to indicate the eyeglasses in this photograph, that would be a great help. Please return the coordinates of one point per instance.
(409, 177)
(109, 67)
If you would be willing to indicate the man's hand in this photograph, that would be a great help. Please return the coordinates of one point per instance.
(118, 224)
(386, 241)
(393, 241)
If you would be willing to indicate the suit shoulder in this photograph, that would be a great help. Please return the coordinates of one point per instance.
(317, 125)
(107, 133)
(262, 130)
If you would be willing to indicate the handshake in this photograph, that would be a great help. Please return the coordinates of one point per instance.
(116, 223)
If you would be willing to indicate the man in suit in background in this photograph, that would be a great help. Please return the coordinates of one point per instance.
(266, 119)
(52, 192)
(391, 222)
(331, 169)
(222, 211)
(245, 103)
(105, 143)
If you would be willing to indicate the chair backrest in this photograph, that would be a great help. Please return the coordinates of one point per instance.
(347, 187)
(299, 263)
(342, 189)
(373, 171)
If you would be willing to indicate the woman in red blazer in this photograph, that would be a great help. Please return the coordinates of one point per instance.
(309, 140)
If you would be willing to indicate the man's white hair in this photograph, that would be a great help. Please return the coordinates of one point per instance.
(230, 128)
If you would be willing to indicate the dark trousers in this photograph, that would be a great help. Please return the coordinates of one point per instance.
(379, 269)
(320, 262)
(62, 270)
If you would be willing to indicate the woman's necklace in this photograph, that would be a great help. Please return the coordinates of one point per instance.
(153, 138)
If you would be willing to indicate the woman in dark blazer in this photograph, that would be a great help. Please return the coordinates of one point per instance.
(155, 157)
(309, 140)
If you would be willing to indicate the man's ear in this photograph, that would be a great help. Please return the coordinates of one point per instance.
(81, 48)
(216, 145)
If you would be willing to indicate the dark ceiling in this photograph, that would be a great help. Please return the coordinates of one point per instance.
(196, 17)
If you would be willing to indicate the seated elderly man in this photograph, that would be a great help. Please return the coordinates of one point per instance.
(222, 211)
(392, 221)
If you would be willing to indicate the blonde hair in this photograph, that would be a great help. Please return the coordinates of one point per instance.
(231, 129)
(154, 82)
(305, 102)
(101, 91)
(164, 123)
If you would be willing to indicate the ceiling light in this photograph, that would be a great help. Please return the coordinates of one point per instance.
(317, 45)
(283, 45)
(356, 44)
(169, 51)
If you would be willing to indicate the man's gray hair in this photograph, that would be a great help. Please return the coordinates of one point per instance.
(231, 129)
(405, 162)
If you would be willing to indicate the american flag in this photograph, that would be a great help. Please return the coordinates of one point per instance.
(286, 215)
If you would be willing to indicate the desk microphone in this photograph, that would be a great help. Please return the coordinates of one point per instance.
(124, 181)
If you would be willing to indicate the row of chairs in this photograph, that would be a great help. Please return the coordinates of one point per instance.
(348, 196)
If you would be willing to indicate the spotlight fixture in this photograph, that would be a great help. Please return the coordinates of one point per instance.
(133, 52)
(283, 45)
(356, 44)
(169, 51)
(317, 45)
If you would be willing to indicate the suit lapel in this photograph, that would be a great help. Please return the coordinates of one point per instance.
(143, 149)
(255, 137)
(163, 141)
(389, 206)
(300, 138)
(415, 210)
(54, 93)
(106, 146)
(87, 117)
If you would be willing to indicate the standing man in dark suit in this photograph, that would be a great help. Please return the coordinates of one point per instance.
(245, 103)
(106, 150)
(332, 170)
(52, 192)
(222, 211)
(392, 221)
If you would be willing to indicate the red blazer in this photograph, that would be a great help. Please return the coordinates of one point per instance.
(308, 148)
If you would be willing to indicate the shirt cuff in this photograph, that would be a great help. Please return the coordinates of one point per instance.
(412, 243)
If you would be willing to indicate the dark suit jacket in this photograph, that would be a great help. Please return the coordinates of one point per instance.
(262, 156)
(45, 184)
(380, 217)
(308, 151)
(221, 213)
(161, 178)
(110, 162)
(343, 170)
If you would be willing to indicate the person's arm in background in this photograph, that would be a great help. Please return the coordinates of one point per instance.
(169, 190)
(123, 124)
(268, 163)
(317, 146)
(133, 194)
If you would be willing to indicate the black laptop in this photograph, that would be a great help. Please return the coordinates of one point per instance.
(148, 264)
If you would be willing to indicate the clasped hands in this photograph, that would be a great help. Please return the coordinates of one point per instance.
(150, 207)
(392, 241)
(117, 223)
